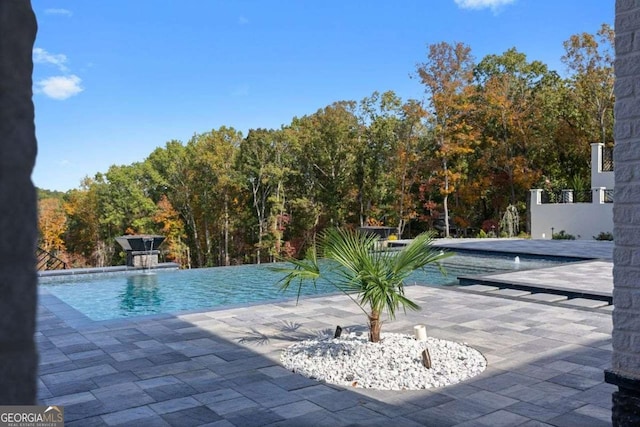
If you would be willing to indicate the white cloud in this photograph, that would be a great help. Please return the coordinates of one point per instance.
(483, 4)
(64, 12)
(41, 56)
(242, 20)
(60, 87)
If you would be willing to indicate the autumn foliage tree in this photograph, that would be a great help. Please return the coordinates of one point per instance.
(480, 138)
(52, 223)
(447, 76)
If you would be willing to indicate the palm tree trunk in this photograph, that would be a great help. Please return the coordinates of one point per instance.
(374, 326)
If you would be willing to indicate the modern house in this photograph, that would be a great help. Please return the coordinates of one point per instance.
(583, 214)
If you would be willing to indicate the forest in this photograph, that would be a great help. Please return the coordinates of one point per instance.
(480, 136)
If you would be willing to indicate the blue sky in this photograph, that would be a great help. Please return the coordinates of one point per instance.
(115, 79)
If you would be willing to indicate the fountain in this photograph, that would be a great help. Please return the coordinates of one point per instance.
(142, 249)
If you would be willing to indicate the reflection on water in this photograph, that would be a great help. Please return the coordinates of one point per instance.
(142, 291)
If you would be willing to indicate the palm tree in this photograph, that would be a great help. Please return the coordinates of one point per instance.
(375, 277)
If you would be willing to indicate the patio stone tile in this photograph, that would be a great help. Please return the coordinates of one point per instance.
(202, 381)
(457, 411)
(269, 394)
(70, 399)
(275, 371)
(196, 416)
(574, 381)
(217, 396)
(131, 365)
(490, 400)
(254, 417)
(52, 368)
(224, 407)
(74, 349)
(312, 391)
(70, 387)
(158, 382)
(77, 374)
(63, 330)
(572, 419)
(358, 415)
(503, 381)
(115, 378)
(511, 292)
(96, 421)
(122, 396)
(595, 411)
(295, 409)
(169, 357)
(294, 382)
(560, 365)
(128, 416)
(599, 395)
(166, 369)
(499, 418)
(81, 410)
(170, 391)
(337, 400)
(532, 411)
(546, 297)
(174, 405)
(481, 288)
(584, 302)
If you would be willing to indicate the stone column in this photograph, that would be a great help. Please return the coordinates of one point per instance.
(625, 366)
(18, 212)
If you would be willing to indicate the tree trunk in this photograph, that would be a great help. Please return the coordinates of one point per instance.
(374, 326)
(226, 230)
(445, 202)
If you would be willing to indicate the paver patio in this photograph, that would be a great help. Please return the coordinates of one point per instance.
(221, 368)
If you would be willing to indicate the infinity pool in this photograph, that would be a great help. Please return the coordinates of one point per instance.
(120, 295)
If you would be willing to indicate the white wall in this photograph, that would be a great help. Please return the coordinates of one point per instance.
(598, 177)
(583, 220)
(580, 219)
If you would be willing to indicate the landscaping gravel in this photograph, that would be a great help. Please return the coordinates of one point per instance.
(394, 363)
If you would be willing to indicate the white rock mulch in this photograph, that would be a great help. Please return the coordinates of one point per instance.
(395, 363)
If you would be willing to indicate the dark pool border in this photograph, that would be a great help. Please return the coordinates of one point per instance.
(489, 252)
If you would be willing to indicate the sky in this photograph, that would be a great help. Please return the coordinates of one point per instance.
(113, 80)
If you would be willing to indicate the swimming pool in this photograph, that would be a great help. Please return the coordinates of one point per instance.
(126, 294)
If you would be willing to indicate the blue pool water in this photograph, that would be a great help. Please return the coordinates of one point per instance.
(126, 294)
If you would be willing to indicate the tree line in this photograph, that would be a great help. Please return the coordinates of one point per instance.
(482, 134)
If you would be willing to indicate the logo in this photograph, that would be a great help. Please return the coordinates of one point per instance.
(31, 416)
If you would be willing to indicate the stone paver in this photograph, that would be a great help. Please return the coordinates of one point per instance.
(221, 368)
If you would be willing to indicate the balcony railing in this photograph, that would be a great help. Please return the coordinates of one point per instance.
(608, 196)
(567, 196)
(607, 159)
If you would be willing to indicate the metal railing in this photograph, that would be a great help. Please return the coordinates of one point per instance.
(583, 196)
(566, 196)
(47, 261)
(607, 159)
(608, 196)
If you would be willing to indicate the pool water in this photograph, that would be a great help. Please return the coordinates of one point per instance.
(120, 295)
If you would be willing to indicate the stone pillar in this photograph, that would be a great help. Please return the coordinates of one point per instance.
(625, 366)
(18, 212)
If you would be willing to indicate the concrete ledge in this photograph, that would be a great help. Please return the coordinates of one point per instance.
(112, 269)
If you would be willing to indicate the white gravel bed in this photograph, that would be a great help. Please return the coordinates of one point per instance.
(394, 363)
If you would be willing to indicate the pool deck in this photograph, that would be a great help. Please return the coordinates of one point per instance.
(221, 368)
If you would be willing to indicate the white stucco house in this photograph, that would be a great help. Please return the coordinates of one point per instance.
(581, 215)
